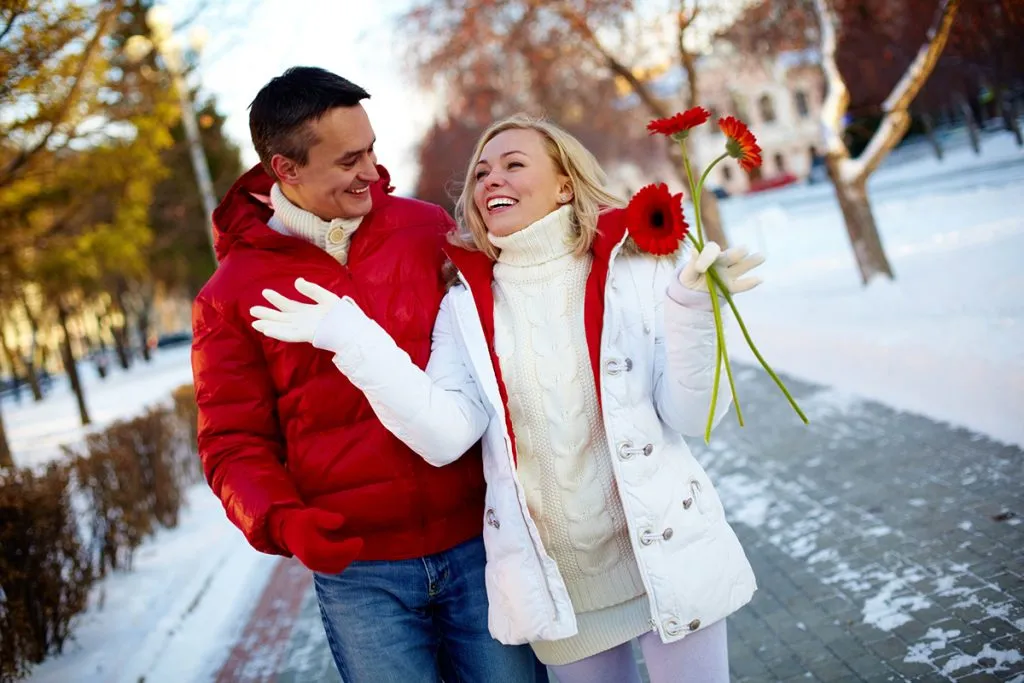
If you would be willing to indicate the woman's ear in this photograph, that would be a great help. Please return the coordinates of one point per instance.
(565, 194)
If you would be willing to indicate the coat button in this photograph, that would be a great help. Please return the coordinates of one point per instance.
(667, 534)
(336, 236)
(695, 624)
(687, 503)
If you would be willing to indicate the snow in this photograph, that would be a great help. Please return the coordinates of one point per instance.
(37, 430)
(943, 339)
(176, 614)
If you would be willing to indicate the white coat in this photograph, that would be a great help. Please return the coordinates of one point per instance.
(654, 362)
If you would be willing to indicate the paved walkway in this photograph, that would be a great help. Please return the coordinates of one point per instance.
(888, 547)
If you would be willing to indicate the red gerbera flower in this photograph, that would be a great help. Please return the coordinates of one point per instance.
(655, 219)
(742, 144)
(679, 125)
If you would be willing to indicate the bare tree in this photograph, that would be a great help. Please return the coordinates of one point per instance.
(848, 174)
(459, 42)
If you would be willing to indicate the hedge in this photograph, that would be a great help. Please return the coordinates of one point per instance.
(64, 528)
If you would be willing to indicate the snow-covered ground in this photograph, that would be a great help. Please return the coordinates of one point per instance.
(36, 431)
(942, 340)
(174, 617)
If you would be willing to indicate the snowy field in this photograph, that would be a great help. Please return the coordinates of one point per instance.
(36, 431)
(943, 340)
(175, 616)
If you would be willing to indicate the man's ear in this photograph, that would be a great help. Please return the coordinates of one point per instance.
(286, 170)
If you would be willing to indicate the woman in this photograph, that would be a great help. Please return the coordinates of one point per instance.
(581, 362)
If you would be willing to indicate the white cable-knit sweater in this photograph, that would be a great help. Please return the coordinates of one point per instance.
(564, 460)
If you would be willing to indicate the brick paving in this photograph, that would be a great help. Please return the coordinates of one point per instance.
(888, 547)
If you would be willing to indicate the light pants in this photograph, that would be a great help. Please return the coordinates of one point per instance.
(702, 657)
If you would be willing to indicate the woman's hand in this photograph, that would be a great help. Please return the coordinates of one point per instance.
(731, 266)
(294, 321)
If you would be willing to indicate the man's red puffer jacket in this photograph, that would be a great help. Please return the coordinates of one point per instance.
(279, 425)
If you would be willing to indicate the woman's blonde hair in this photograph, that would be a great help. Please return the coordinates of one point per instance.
(571, 159)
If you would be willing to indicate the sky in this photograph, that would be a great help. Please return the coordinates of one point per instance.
(252, 41)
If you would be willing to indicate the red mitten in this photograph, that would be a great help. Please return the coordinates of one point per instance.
(316, 538)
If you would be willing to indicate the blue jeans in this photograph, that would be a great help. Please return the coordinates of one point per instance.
(418, 621)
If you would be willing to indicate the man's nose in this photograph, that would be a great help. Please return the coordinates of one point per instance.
(368, 171)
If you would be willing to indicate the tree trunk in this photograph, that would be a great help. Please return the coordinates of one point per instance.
(972, 125)
(68, 355)
(33, 377)
(929, 131)
(143, 329)
(12, 361)
(1008, 106)
(30, 364)
(6, 459)
(711, 219)
(860, 226)
(119, 332)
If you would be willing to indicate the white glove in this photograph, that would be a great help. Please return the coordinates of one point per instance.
(690, 288)
(731, 265)
(294, 321)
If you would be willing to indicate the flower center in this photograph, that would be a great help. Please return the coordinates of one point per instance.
(658, 219)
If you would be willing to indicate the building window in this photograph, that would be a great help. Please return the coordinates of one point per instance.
(780, 163)
(801, 104)
(767, 108)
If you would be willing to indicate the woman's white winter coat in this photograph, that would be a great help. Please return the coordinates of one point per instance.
(655, 378)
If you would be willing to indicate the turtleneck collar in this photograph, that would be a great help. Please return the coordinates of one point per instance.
(545, 240)
(331, 236)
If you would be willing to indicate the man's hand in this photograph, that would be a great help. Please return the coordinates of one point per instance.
(731, 265)
(316, 537)
(294, 321)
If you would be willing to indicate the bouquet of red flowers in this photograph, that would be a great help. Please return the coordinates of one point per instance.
(657, 225)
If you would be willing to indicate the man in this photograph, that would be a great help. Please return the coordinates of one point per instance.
(293, 450)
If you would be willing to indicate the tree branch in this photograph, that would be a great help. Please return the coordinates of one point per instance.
(23, 156)
(618, 68)
(15, 13)
(838, 98)
(686, 57)
(896, 107)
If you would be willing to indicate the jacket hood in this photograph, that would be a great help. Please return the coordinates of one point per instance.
(241, 217)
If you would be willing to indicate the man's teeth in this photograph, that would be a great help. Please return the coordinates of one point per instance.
(359, 191)
(500, 201)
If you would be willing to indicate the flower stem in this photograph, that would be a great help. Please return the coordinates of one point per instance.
(716, 307)
(707, 172)
(753, 347)
(722, 353)
(719, 346)
(693, 195)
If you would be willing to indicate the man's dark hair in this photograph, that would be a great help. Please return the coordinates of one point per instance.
(279, 115)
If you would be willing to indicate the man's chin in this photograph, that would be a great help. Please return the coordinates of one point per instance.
(357, 206)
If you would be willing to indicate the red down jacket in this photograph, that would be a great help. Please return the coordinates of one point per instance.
(279, 425)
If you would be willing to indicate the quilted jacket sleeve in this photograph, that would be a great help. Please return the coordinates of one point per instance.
(685, 360)
(240, 443)
(439, 412)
